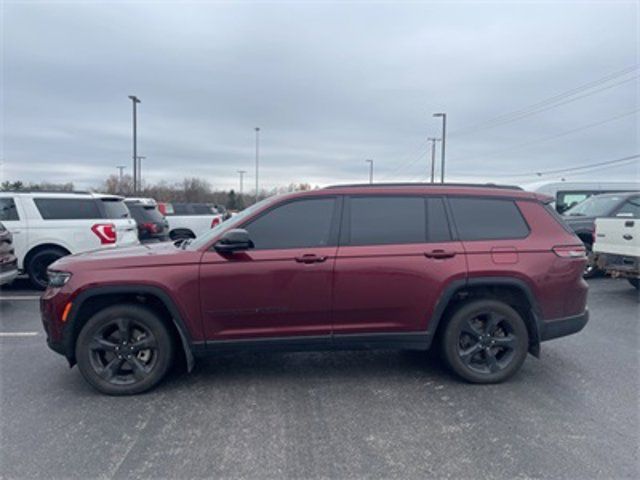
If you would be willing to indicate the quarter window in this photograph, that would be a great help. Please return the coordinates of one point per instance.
(488, 219)
(68, 208)
(8, 211)
(298, 224)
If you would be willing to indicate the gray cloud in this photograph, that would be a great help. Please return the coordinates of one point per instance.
(329, 84)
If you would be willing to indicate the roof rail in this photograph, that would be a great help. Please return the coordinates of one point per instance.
(35, 190)
(417, 184)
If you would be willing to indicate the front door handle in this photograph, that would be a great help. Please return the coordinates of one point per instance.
(629, 223)
(440, 254)
(627, 237)
(311, 258)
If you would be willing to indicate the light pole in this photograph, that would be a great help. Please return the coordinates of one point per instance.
(444, 140)
(121, 169)
(370, 162)
(135, 100)
(433, 158)
(241, 172)
(139, 158)
(257, 161)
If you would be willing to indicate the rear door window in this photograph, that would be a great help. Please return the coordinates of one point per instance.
(385, 220)
(68, 208)
(8, 211)
(488, 219)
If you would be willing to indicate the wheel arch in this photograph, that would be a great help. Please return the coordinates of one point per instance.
(39, 247)
(513, 291)
(94, 299)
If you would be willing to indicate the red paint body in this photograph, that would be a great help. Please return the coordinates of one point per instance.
(357, 289)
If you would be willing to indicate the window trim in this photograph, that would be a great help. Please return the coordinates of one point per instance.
(489, 197)
(334, 226)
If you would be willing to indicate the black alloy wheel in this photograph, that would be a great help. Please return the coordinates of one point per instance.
(124, 350)
(485, 341)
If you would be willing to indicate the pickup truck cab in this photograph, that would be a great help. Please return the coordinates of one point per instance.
(189, 220)
(617, 243)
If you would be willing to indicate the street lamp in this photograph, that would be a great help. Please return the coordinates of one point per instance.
(241, 172)
(370, 162)
(121, 169)
(433, 158)
(135, 100)
(257, 160)
(139, 158)
(444, 140)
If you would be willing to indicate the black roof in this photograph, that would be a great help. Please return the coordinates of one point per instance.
(416, 184)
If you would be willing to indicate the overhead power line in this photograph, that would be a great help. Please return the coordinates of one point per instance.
(589, 166)
(547, 139)
(563, 98)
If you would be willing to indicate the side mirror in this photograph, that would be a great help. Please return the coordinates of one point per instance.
(234, 241)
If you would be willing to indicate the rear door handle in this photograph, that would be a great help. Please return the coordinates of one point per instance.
(311, 258)
(440, 254)
(627, 237)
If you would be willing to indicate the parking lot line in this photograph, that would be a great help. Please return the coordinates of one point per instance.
(18, 334)
(20, 297)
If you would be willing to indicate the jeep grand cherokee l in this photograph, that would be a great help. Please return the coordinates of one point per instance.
(484, 273)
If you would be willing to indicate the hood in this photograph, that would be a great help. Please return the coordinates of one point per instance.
(126, 257)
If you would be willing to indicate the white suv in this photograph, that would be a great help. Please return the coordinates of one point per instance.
(47, 226)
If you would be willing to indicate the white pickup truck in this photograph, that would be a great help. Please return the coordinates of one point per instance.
(189, 220)
(617, 246)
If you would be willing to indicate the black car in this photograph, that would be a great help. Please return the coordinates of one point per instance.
(582, 218)
(152, 226)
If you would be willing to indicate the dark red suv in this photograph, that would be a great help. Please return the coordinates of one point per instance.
(484, 272)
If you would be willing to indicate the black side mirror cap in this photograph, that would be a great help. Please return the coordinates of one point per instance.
(234, 241)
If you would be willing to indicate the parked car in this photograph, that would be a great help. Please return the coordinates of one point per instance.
(189, 220)
(8, 260)
(582, 219)
(569, 194)
(618, 245)
(152, 226)
(47, 226)
(484, 273)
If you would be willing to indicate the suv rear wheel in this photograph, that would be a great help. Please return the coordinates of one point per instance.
(39, 262)
(485, 341)
(124, 350)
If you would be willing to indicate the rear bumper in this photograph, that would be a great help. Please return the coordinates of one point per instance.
(619, 265)
(561, 327)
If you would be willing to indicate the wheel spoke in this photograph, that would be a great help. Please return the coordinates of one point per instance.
(468, 354)
(491, 323)
(111, 369)
(491, 360)
(144, 343)
(470, 329)
(139, 369)
(124, 325)
(508, 342)
(99, 343)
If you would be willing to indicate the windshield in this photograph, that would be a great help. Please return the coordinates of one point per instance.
(145, 213)
(597, 206)
(229, 224)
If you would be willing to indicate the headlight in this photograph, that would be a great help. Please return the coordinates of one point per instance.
(58, 279)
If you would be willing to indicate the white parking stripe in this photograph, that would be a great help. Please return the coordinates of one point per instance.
(21, 297)
(18, 334)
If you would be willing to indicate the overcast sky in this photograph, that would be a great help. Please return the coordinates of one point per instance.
(330, 85)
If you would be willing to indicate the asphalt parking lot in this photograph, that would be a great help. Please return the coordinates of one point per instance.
(386, 414)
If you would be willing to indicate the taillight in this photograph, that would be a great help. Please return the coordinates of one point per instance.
(106, 232)
(162, 207)
(215, 221)
(150, 227)
(570, 251)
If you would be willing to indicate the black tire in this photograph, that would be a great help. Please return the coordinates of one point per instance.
(635, 282)
(181, 235)
(110, 353)
(39, 262)
(591, 269)
(485, 341)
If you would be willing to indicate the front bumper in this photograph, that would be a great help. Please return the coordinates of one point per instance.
(561, 327)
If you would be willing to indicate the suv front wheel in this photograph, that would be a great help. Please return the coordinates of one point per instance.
(485, 341)
(124, 350)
